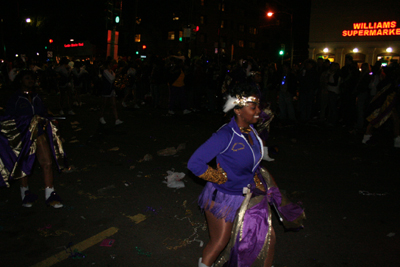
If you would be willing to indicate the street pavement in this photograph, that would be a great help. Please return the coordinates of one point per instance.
(118, 210)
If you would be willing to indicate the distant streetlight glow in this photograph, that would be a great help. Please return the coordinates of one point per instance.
(37, 53)
(28, 20)
(389, 50)
(71, 40)
(355, 50)
(16, 55)
(270, 14)
(326, 50)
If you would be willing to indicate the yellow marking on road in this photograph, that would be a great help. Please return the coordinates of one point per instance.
(80, 247)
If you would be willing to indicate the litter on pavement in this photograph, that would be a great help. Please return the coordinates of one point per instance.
(174, 179)
(107, 242)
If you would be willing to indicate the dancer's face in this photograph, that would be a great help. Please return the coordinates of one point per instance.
(248, 114)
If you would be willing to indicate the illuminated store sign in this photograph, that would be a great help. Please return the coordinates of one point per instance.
(74, 45)
(384, 28)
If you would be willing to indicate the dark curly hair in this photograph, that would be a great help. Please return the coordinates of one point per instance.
(243, 89)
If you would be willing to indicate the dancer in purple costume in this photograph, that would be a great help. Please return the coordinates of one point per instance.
(27, 135)
(240, 228)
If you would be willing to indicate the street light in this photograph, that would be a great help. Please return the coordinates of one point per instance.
(270, 14)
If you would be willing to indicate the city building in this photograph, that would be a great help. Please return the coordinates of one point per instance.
(214, 28)
(369, 31)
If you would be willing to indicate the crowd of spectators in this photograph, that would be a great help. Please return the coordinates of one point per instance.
(313, 91)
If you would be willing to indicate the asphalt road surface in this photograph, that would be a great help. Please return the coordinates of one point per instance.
(118, 210)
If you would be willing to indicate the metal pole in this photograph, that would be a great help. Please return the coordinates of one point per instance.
(291, 40)
(3, 44)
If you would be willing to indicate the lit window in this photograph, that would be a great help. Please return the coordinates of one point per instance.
(175, 18)
(241, 43)
(252, 30)
(171, 35)
(202, 38)
(137, 38)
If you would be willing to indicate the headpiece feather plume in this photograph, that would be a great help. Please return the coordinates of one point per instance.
(230, 103)
(240, 101)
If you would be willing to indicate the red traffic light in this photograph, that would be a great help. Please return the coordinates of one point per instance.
(196, 29)
(144, 47)
(51, 41)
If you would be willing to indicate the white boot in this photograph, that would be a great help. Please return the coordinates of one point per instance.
(397, 141)
(202, 264)
(266, 156)
(366, 138)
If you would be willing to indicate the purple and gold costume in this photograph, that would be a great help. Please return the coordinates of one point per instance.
(250, 211)
(237, 157)
(19, 131)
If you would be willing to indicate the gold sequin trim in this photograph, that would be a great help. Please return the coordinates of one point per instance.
(214, 176)
(258, 182)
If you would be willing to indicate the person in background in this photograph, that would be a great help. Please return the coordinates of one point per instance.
(108, 94)
(287, 91)
(78, 75)
(64, 85)
(177, 93)
(385, 105)
(349, 74)
(333, 80)
(324, 90)
(308, 86)
(362, 92)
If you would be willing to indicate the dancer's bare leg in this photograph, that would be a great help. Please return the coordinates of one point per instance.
(44, 157)
(220, 233)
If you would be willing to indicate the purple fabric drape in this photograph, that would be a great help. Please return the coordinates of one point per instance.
(16, 151)
(255, 228)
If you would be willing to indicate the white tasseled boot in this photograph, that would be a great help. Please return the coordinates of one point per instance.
(266, 156)
(366, 138)
(397, 141)
(202, 264)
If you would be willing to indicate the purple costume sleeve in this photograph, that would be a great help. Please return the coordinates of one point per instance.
(207, 151)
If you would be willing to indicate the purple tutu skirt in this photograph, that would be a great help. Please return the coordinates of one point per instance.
(225, 206)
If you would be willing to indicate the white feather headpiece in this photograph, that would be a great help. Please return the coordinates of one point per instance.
(240, 101)
(230, 103)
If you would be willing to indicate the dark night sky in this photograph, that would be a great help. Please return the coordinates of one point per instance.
(85, 19)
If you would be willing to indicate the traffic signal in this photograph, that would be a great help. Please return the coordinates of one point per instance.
(144, 47)
(137, 52)
(117, 19)
(282, 51)
(194, 31)
(51, 41)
